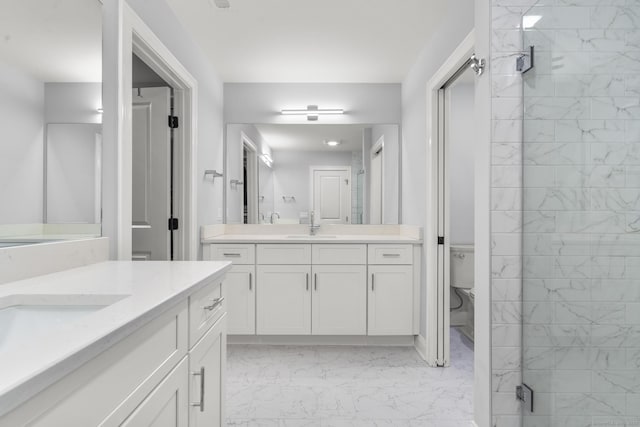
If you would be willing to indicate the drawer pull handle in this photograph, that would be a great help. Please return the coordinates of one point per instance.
(391, 255)
(200, 374)
(250, 280)
(231, 255)
(373, 278)
(315, 281)
(216, 302)
(307, 281)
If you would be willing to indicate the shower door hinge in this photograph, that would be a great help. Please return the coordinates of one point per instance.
(524, 394)
(173, 122)
(525, 62)
(441, 240)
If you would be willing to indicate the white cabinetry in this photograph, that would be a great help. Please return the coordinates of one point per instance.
(284, 300)
(206, 364)
(391, 290)
(339, 301)
(239, 291)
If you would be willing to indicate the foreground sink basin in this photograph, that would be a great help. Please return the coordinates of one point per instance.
(24, 317)
(308, 236)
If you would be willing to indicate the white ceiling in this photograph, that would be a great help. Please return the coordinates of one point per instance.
(304, 41)
(311, 137)
(53, 40)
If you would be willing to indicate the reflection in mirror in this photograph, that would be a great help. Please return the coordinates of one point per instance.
(73, 169)
(50, 99)
(345, 174)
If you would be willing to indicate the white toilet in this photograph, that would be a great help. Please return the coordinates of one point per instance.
(462, 273)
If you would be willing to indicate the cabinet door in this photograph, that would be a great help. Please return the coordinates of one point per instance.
(239, 291)
(207, 363)
(339, 301)
(167, 404)
(390, 300)
(283, 300)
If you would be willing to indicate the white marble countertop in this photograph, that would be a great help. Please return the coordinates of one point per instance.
(136, 291)
(319, 238)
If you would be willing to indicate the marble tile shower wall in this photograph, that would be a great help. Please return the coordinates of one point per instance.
(580, 213)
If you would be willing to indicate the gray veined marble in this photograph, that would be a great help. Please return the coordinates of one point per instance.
(347, 386)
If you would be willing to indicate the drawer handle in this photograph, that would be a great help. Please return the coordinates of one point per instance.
(250, 280)
(307, 281)
(216, 302)
(200, 374)
(391, 255)
(373, 278)
(231, 255)
(315, 281)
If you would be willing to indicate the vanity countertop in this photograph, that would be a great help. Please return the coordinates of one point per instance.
(319, 238)
(133, 292)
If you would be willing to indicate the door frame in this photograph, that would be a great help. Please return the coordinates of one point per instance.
(312, 169)
(378, 145)
(138, 38)
(252, 178)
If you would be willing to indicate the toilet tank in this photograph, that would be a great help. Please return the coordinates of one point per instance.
(461, 263)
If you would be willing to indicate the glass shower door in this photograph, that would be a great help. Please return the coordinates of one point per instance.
(581, 215)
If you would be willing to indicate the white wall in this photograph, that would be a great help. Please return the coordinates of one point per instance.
(72, 102)
(460, 161)
(291, 177)
(21, 154)
(454, 27)
(159, 17)
(261, 102)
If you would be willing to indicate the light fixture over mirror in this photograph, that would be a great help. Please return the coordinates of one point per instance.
(312, 112)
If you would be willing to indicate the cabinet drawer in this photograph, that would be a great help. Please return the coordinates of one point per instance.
(205, 307)
(390, 254)
(338, 254)
(237, 253)
(283, 254)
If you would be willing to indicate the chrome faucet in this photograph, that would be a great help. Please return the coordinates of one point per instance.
(313, 227)
(274, 214)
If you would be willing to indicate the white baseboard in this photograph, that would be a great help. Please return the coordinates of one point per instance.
(420, 344)
(402, 341)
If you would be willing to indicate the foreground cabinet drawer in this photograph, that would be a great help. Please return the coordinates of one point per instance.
(391, 254)
(205, 307)
(284, 254)
(237, 253)
(336, 254)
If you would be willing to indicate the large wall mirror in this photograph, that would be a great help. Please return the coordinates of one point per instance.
(280, 173)
(50, 112)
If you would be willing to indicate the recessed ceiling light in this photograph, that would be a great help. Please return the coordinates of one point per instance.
(333, 143)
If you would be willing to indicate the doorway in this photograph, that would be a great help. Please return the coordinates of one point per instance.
(331, 194)
(250, 181)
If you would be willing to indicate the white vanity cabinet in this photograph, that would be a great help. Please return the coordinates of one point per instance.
(391, 290)
(153, 376)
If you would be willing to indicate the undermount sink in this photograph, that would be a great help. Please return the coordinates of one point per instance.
(23, 320)
(309, 236)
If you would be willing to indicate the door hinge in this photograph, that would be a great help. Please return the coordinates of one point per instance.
(441, 240)
(173, 224)
(524, 394)
(346, 181)
(526, 61)
(173, 122)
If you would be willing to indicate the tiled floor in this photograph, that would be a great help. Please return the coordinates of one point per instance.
(347, 386)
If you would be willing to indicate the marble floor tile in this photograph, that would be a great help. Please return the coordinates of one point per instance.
(336, 386)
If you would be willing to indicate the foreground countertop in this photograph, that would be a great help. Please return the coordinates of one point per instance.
(136, 293)
(320, 238)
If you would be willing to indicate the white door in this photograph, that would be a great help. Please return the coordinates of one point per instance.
(166, 405)
(332, 195)
(239, 292)
(151, 163)
(390, 300)
(339, 302)
(375, 184)
(283, 300)
(207, 364)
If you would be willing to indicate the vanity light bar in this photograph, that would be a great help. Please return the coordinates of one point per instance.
(312, 111)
